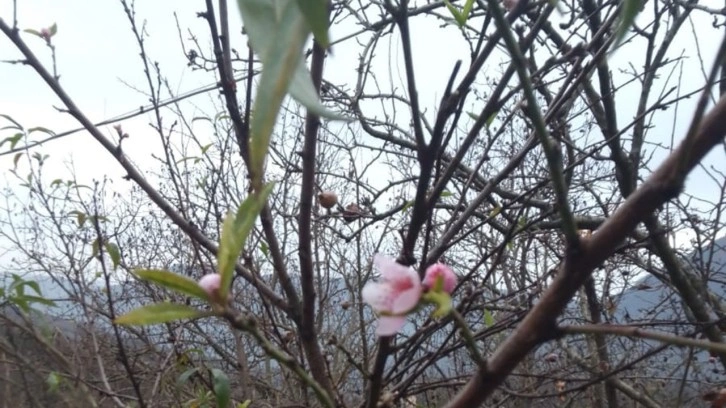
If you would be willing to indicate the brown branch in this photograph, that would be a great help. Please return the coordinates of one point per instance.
(664, 184)
(306, 325)
(637, 332)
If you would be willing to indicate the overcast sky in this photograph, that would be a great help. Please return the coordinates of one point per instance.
(99, 64)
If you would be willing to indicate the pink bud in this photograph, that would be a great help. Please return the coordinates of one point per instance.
(45, 34)
(211, 284)
(439, 271)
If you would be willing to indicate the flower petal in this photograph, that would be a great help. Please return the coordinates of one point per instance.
(390, 269)
(377, 295)
(389, 325)
(406, 300)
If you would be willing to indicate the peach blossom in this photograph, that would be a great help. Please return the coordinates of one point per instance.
(398, 292)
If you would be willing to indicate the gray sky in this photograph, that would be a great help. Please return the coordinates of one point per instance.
(98, 60)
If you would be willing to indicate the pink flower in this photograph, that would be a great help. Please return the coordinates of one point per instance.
(394, 296)
(211, 284)
(439, 271)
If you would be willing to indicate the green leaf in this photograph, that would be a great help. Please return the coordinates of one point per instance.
(41, 129)
(316, 15)
(495, 211)
(221, 387)
(53, 381)
(80, 217)
(277, 31)
(245, 404)
(31, 31)
(29, 299)
(488, 318)
(17, 125)
(184, 377)
(173, 281)
(446, 193)
(491, 118)
(467, 9)
(631, 9)
(114, 253)
(53, 29)
(473, 115)
(235, 230)
(13, 140)
(94, 248)
(459, 17)
(16, 159)
(158, 313)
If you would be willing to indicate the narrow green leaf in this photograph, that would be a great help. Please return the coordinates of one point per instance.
(279, 45)
(37, 299)
(473, 115)
(94, 248)
(488, 318)
(17, 126)
(495, 211)
(16, 159)
(467, 9)
(221, 387)
(31, 31)
(184, 377)
(173, 281)
(235, 230)
(446, 193)
(302, 89)
(491, 118)
(158, 313)
(80, 217)
(114, 253)
(41, 129)
(316, 15)
(245, 404)
(53, 29)
(460, 19)
(631, 9)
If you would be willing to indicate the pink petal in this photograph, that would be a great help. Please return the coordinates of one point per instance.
(390, 269)
(377, 295)
(389, 325)
(406, 300)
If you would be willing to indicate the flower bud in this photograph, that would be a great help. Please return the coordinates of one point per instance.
(327, 199)
(211, 284)
(440, 272)
(45, 34)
